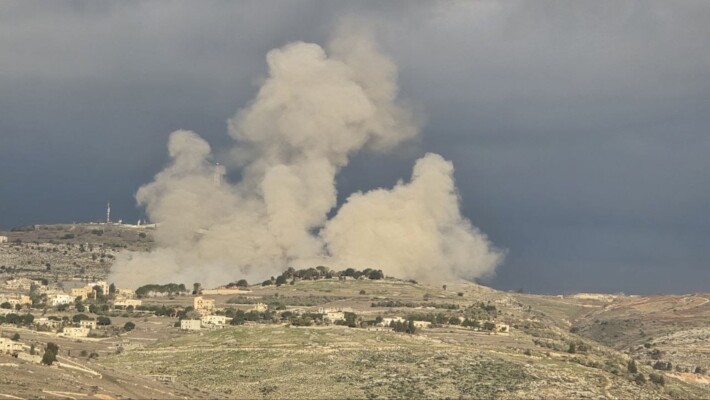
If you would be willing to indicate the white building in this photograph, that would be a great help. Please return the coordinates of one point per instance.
(88, 323)
(3, 239)
(128, 302)
(72, 331)
(191, 324)
(60, 299)
(8, 346)
(422, 324)
(388, 321)
(44, 321)
(214, 320)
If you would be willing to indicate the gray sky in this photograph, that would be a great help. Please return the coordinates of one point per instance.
(579, 131)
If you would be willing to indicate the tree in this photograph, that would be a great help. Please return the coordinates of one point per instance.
(631, 366)
(79, 317)
(103, 321)
(376, 275)
(242, 283)
(80, 307)
(281, 280)
(93, 308)
(129, 326)
(6, 305)
(15, 337)
(196, 288)
(443, 287)
(112, 289)
(50, 354)
(572, 348)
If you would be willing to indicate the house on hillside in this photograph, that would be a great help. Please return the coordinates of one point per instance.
(214, 321)
(3, 239)
(82, 292)
(422, 324)
(191, 324)
(204, 306)
(128, 302)
(73, 331)
(260, 307)
(61, 299)
(8, 346)
(88, 323)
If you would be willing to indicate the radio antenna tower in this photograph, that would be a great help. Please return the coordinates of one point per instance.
(108, 212)
(219, 172)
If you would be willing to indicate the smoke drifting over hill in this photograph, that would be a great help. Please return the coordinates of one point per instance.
(315, 110)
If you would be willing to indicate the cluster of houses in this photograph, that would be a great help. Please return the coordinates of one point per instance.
(55, 297)
(208, 319)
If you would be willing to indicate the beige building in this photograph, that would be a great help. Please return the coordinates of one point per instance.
(125, 293)
(19, 284)
(82, 292)
(333, 316)
(16, 299)
(88, 323)
(8, 346)
(128, 302)
(3, 239)
(260, 307)
(203, 306)
(72, 331)
(191, 324)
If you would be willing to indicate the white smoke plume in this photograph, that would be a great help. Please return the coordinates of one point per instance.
(314, 111)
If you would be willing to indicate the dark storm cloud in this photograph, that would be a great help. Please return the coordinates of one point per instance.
(579, 132)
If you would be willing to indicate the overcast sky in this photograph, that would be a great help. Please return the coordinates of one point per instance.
(579, 130)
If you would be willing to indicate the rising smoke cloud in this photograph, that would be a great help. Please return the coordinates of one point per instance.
(314, 111)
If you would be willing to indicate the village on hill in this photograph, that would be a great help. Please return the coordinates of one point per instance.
(321, 332)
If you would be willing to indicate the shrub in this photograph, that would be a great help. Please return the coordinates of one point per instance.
(129, 326)
(658, 379)
(50, 354)
(631, 367)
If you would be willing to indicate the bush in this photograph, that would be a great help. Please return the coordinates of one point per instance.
(572, 348)
(658, 379)
(631, 367)
(640, 379)
(129, 326)
(15, 337)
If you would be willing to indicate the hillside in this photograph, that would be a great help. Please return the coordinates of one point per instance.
(473, 341)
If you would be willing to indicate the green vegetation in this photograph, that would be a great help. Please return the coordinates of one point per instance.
(50, 354)
(167, 289)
